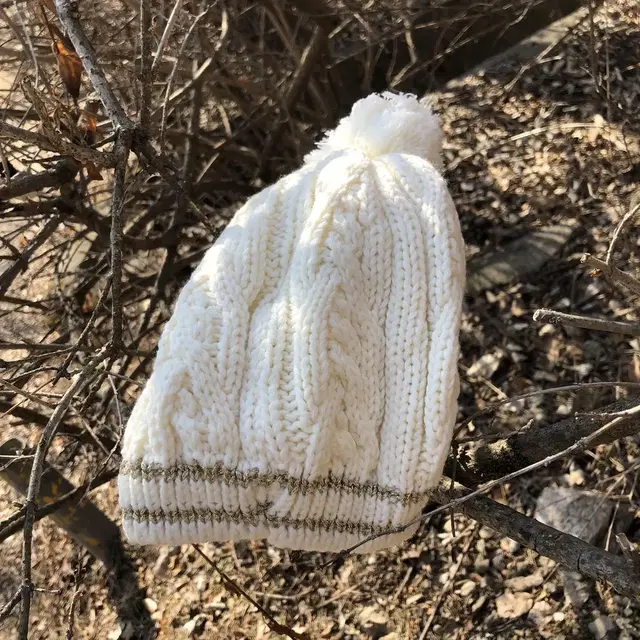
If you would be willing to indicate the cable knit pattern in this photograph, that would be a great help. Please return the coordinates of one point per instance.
(305, 388)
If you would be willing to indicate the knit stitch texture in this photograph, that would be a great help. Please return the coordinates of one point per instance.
(305, 388)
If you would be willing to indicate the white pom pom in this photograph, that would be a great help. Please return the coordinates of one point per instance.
(387, 123)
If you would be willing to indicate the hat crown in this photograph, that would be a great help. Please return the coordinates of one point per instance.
(382, 124)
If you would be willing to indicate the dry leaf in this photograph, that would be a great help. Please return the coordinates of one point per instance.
(69, 67)
(88, 128)
(486, 365)
(89, 303)
(93, 173)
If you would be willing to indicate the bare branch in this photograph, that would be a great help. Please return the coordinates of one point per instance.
(564, 549)
(5, 612)
(621, 229)
(29, 415)
(62, 173)
(31, 504)
(62, 371)
(585, 322)
(121, 151)
(14, 524)
(530, 445)
(22, 263)
(145, 62)
(310, 58)
(61, 146)
(165, 37)
(174, 70)
(234, 587)
(624, 278)
(577, 446)
(68, 16)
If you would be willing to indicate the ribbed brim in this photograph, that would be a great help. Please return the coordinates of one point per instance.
(190, 503)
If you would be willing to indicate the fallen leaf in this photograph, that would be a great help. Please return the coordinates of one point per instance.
(93, 173)
(69, 67)
(486, 365)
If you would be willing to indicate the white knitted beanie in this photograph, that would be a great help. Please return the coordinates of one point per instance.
(305, 388)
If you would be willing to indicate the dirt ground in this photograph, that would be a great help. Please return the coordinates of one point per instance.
(526, 146)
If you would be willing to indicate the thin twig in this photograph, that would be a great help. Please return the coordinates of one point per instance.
(36, 418)
(174, 70)
(152, 161)
(618, 234)
(122, 150)
(78, 346)
(301, 77)
(5, 612)
(234, 587)
(27, 394)
(20, 265)
(544, 53)
(145, 63)
(586, 322)
(453, 572)
(72, 605)
(31, 504)
(624, 278)
(164, 39)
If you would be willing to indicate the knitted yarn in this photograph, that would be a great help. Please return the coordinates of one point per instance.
(305, 388)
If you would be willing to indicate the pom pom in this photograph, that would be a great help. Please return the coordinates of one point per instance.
(383, 124)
